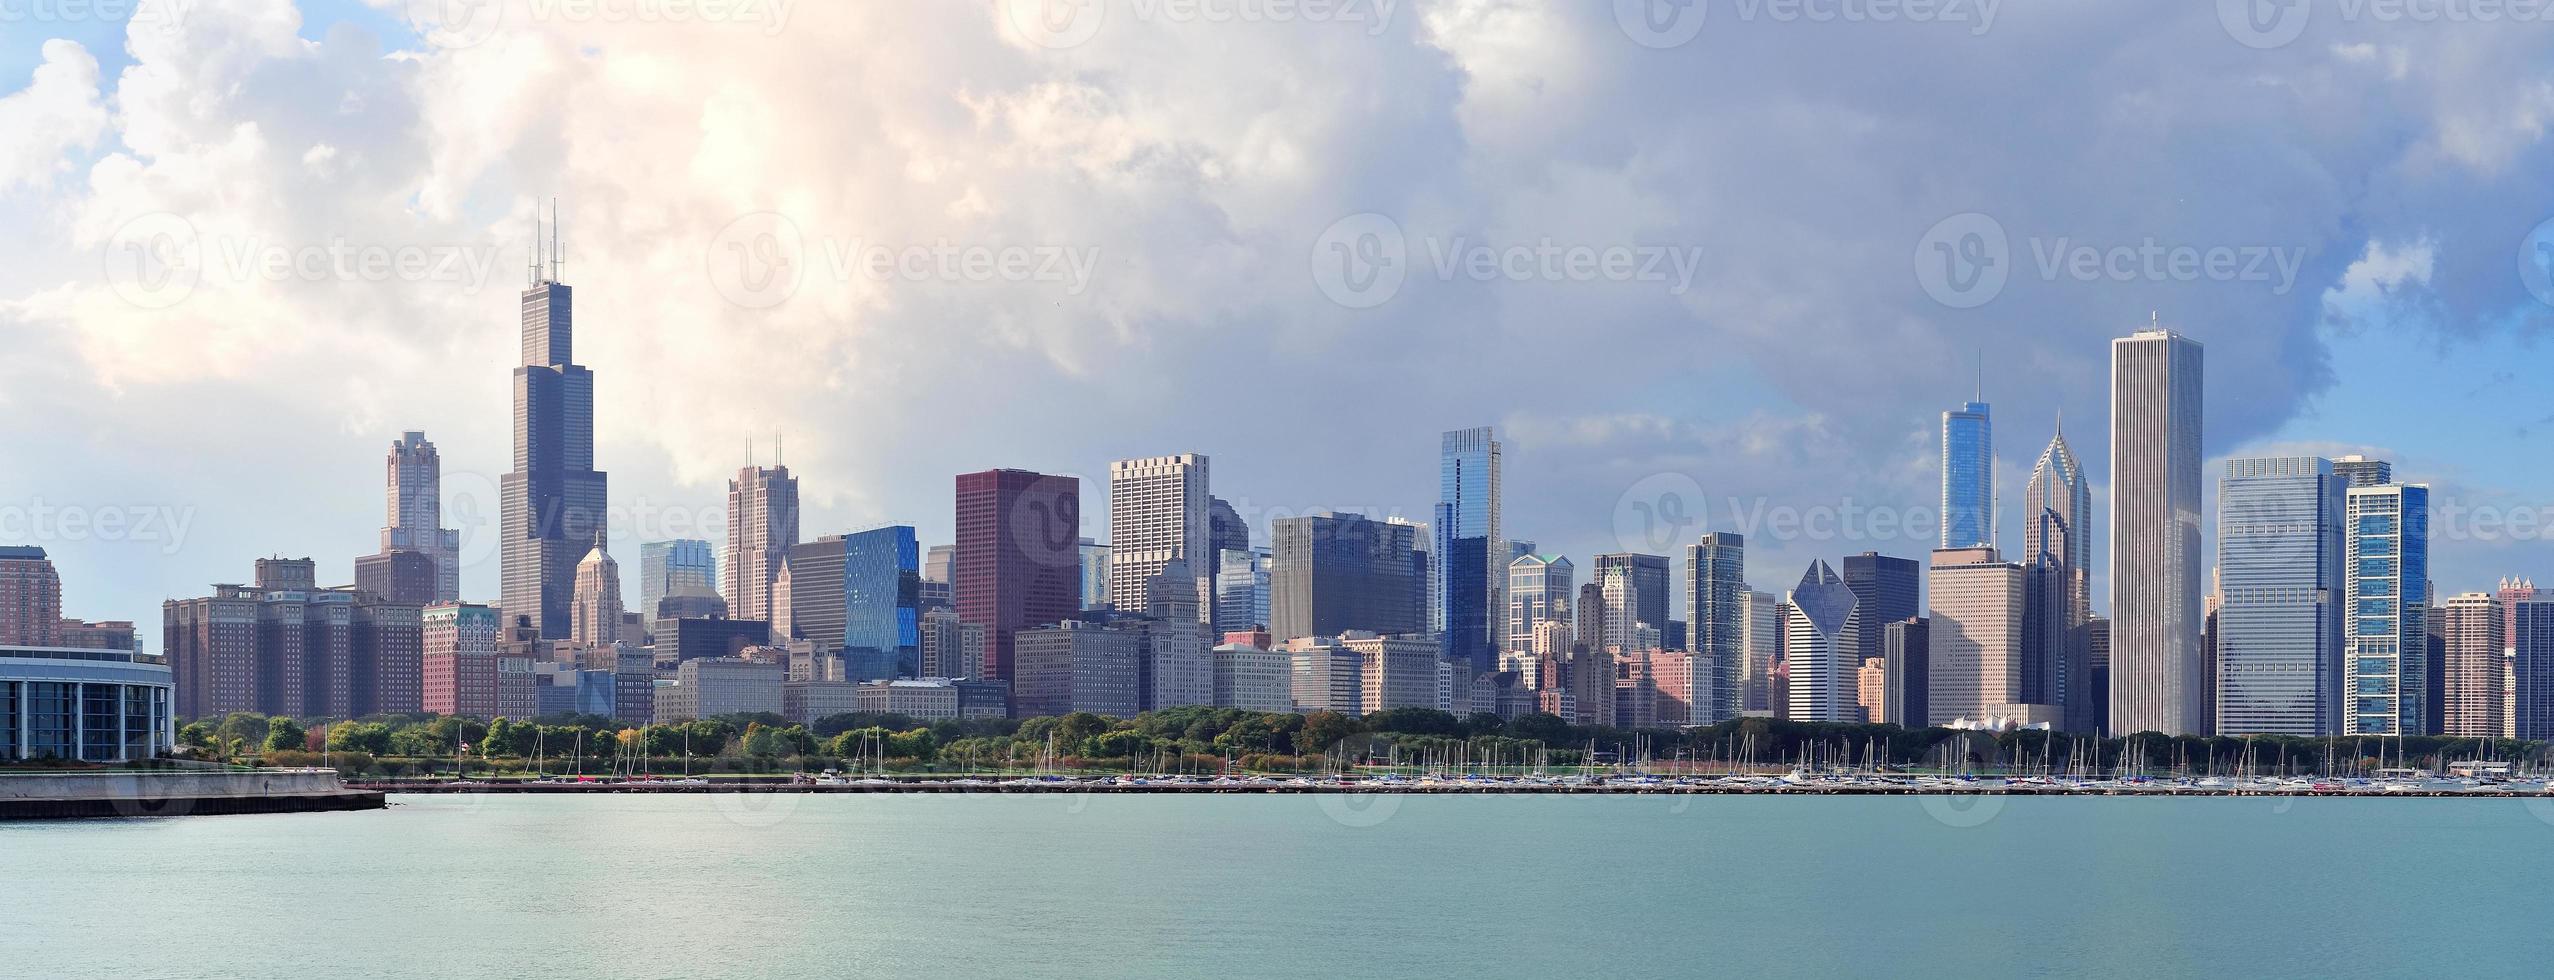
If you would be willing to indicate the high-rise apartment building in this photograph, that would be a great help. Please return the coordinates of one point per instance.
(30, 597)
(2473, 703)
(460, 659)
(1639, 596)
(2279, 563)
(1158, 514)
(2157, 681)
(1019, 561)
(286, 647)
(552, 504)
(596, 619)
(1332, 573)
(762, 525)
(1716, 601)
(1468, 578)
(2386, 634)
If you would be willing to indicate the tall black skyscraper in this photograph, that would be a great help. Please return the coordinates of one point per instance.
(1885, 591)
(552, 509)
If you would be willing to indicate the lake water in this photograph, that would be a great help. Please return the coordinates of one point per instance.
(790, 886)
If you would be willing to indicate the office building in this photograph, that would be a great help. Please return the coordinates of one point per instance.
(1716, 600)
(404, 577)
(1906, 663)
(1968, 477)
(1468, 580)
(860, 593)
(551, 506)
(1332, 573)
(595, 613)
(414, 477)
(707, 638)
(1763, 628)
(1225, 531)
(1157, 515)
(1636, 589)
(1817, 648)
(2278, 645)
(1077, 666)
(2362, 471)
(1974, 640)
(1539, 589)
(2386, 639)
(762, 525)
(1177, 662)
(2057, 516)
(1393, 671)
(1018, 561)
(1095, 574)
(2157, 681)
(1885, 590)
(922, 700)
(936, 563)
(2531, 640)
(1327, 676)
(1253, 678)
(1242, 589)
(951, 647)
(678, 566)
(715, 687)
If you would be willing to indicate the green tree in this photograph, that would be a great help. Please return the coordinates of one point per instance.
(284, 735)
(195, 734)
(1322, 730)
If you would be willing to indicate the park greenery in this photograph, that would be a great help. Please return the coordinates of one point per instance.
(1206, 740)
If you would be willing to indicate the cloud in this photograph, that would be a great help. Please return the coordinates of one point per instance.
(58, 112)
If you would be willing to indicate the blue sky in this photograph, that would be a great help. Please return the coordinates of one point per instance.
(1794, 184)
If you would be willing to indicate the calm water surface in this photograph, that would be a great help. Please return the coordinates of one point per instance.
(787, 886)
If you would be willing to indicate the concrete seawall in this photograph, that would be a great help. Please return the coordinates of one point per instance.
(176, 793)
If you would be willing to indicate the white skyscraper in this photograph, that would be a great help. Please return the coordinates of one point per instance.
(1817, 648)
(415, 474)
(1157, 515)
(2158, 680)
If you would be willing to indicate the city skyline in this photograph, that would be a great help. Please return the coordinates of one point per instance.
(1769, 434)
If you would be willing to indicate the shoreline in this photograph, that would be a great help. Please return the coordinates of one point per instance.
(1504, 788)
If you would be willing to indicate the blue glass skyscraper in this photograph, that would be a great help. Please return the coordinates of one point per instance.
(1968, 477)
(1469, 579)
(2387, 640)
(2279, 557)
(861, 594)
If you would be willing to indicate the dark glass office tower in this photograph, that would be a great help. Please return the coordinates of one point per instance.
(1470, 583)
(552, 509)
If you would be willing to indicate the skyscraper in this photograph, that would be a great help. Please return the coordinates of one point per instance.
(596, 619)
(552, 503)
(2157, 680)
(1018, 563)
(2057, 515)
(2531, 639)
(682, 565)
(1158, 513)
(1816, 648)
(2361, 471)
(762, 523)
(1332, 573)
(1974, 637)
(1716, 603)
(414, 474)
(1225, 531)
(1539, 589)
(1968, 477)
(2471, 705)
(1242, 589)
(1885, 591)
(1755, 673)
(1468, 580)
(1640, 599)
(860, 594)
(1095, 574)
(2386, 638)
(2279, 562)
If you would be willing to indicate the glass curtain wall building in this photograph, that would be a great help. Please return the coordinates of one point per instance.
(1968, 477)
(2279, 562)
(1469, 580)
(2387, 642)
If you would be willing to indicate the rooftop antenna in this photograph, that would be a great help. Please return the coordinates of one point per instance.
(558, 243)
(1981, 374)
(532, 269)
(779, 457)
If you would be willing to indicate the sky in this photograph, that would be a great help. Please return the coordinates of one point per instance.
(1709, 265)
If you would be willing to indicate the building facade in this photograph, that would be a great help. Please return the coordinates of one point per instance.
(1818, 650)
(2279, 564)
(1018, 560)
(2157, 680)
(1968, 477)
(2386, 640)
(1331, 573)
(762, 525)
(1468, 581)
(552, 504)
(1158, 514)
(83, 704)
(414, 476)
